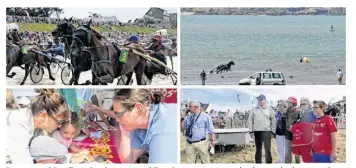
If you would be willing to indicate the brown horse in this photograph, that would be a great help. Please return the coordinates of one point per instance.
(105, 64)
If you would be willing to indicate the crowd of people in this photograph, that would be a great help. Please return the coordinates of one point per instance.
(44, 132)
(51, 20)
(305, 131)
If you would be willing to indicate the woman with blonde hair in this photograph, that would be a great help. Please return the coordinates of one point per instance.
(48, 111)
(145, 126)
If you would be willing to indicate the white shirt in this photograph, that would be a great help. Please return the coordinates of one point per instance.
(20, 129)
(339, 74)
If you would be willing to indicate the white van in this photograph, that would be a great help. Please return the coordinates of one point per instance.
(264, 78)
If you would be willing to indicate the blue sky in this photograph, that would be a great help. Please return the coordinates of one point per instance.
(24, 92)
(223, 99)
(122, 14)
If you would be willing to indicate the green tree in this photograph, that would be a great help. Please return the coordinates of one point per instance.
(33, 12)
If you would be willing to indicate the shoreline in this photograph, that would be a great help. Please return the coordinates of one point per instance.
(204, 14)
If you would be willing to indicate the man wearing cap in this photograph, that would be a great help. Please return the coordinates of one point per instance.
(196, 126)
(291, 117)
(262, 123)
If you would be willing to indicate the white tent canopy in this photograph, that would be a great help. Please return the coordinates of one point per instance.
(162, 32)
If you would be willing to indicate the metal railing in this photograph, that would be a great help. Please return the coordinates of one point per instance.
(340, 123)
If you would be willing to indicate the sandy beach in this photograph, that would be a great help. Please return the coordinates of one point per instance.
(239, 155)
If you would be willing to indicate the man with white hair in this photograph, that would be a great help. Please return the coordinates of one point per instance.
(196, 126)
(306, 111)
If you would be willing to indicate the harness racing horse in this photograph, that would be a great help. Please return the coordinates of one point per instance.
(65, 30)
(222, 68)
(105, 57)
(16, 57)
(80, 63)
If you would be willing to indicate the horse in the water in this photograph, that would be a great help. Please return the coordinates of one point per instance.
(105, 57)
(222, 68)
(80, 63)
(15, 57)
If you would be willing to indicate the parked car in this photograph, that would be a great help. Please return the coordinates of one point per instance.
(264, 78)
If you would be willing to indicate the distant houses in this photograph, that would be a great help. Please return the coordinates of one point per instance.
(163, 16)
(102, 19)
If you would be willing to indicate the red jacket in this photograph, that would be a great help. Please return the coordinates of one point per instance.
(302, 133)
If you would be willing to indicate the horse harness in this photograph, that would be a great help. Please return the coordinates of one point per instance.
(87, 49)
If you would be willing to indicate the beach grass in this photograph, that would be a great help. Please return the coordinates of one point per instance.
(240, 155)
(44, 27)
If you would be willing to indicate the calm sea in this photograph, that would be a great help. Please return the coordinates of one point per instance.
(257, 43)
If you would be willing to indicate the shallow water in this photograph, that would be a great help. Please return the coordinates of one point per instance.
(257, 43)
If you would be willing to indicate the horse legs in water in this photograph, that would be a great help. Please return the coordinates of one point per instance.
(27, 71)
(8, 69)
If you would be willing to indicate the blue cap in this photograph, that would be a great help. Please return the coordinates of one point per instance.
(261, 97)
(133, 39)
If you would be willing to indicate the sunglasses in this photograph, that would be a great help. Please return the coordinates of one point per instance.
(121, 113)
(58, 122)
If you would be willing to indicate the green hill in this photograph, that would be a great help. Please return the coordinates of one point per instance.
(43, 27)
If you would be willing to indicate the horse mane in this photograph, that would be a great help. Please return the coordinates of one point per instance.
(98, 35)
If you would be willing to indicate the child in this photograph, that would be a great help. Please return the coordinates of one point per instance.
(66, 133)
(324, 135)
(302, 140)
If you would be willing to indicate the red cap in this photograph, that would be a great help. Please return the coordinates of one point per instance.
(293, 100)
(157, 37)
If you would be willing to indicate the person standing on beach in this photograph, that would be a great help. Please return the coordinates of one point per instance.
(324, 136)
(203, 77)
(262, 124)
(281, 129)
(196, 126)
(292, 116)
(340, 75)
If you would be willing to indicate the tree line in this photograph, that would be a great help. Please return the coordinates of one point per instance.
(33, 12)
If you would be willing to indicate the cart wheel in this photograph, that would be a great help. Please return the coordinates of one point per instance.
(54, 67)
(36, 74)
(66, 75)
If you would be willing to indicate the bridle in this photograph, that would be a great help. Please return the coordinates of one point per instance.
(85, 45)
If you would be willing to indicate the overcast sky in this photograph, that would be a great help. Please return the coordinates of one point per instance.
(122, 14)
